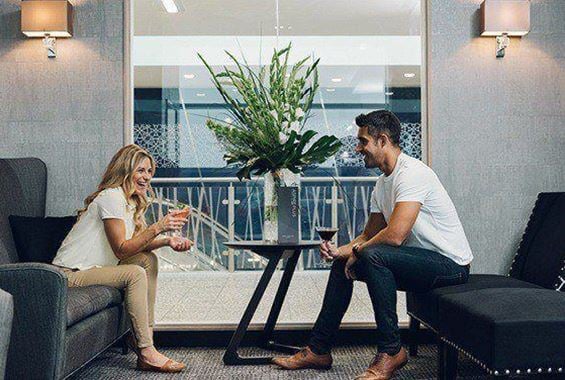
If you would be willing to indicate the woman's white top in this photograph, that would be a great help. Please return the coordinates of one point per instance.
(87, 246)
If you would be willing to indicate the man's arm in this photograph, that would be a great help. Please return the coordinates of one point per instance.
(375, 224)
(400, 224)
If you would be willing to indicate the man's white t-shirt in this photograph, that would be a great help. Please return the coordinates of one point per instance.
(437, 226)
(87, 246)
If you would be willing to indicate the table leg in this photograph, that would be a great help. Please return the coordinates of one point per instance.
(277, 306)
(231, 357)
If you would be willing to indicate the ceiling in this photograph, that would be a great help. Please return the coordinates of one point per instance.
(296, 17)
(323, 18)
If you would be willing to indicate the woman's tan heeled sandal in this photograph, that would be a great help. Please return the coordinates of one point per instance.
(170, 366)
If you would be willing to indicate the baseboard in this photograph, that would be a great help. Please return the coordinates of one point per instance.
(296, 337)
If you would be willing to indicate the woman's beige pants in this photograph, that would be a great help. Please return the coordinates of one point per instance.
(137, 276)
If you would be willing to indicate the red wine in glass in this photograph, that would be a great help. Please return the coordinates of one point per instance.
(326, 233)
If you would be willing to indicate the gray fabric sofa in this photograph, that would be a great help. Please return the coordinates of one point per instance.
(6, 315)
(56, 329)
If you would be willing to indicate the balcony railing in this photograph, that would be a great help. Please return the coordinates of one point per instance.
(226, 209)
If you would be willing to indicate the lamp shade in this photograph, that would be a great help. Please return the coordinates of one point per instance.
(505, 16)
(53, 17)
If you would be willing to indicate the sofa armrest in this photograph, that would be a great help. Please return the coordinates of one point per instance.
(39, 292)
(6, 315)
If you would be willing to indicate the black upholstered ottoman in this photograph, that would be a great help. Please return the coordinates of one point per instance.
(507, 331)
(424, 306)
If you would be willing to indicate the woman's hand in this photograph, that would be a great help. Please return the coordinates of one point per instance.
(180, 244)
(171, 221)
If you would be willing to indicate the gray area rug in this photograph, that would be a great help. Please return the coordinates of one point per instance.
(206, 363)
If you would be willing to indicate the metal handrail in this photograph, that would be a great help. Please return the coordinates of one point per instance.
(228, 231)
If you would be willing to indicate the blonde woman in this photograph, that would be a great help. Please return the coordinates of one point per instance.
(111, 245)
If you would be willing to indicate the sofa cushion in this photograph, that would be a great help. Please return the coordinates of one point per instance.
(85, 301)
(513, 329)
(425, 305)
(37, 239)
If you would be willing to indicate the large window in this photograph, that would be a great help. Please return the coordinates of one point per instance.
(370, 58)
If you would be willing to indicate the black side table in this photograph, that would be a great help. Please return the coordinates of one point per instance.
(274, 253)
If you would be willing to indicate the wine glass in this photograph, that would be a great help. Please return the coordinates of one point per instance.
(326, 234)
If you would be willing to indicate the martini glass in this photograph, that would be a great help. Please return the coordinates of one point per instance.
(326, 234)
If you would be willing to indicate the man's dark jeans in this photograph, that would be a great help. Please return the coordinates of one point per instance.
(385, 269)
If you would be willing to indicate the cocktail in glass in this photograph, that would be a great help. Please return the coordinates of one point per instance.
(179, 212)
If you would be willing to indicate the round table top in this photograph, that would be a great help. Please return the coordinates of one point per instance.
(259, 244)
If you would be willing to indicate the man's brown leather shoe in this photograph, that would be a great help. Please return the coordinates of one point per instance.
(303, 359)
(384, 366)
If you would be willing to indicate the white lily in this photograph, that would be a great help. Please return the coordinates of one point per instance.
(299, 113)
(295, 126)
(274, 114)
(283, 138)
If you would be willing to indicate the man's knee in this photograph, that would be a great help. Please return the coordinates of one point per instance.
(338, 268)
(375, 255)
(338, 265)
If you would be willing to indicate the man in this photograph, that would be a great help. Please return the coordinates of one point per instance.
(413, 241)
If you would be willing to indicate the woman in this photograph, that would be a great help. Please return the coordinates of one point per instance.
(111, 245)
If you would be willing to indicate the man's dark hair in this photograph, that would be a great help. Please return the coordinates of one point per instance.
(381, 122)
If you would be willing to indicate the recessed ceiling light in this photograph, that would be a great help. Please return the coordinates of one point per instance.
(336, 80)
(289, 27)
(189, 76)
(330, 89)
(170, 6)
(200, 94)
(409, 75)
(389, 93)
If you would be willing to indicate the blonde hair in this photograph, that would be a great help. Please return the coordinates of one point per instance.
(120, 172)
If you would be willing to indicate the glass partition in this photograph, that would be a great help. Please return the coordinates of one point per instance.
(370, 58)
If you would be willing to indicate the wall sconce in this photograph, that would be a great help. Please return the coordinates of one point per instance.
(48, 19)
(504, 18)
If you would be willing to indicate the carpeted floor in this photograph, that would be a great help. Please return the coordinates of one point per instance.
(206, 363)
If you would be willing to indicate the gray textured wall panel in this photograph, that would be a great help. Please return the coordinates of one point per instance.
(68, 111)
(497, 125)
